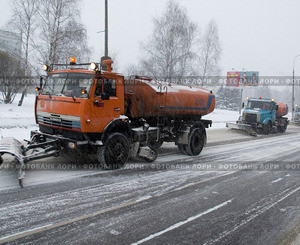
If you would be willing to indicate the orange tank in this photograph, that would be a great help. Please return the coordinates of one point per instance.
(282, 109)
(149, 98)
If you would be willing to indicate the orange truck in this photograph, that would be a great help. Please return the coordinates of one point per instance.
(99, 112)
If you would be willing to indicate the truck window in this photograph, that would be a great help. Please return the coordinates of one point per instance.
(106, 86)
(68, 84)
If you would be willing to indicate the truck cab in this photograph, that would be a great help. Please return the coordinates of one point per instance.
(259, 112)
(264, 114)
(78, 103)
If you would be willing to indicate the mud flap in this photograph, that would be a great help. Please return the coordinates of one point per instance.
(13, 147)
(145, 152)
(245, 127)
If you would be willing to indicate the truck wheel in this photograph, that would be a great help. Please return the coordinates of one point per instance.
(282, 129)
(1, 159)
(266, 129)
(115, 152)
(156, 144)
(182, 149)
(196, 142)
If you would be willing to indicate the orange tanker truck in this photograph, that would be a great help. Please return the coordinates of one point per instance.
(99, 112)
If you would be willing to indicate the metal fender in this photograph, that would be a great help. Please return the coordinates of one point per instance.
(266, 121)
(185, 130)
(120, 125)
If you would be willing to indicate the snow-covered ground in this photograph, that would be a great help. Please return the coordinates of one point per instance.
(220, 117)
(17, 121)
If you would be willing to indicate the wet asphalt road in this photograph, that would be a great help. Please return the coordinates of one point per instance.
(245, 192)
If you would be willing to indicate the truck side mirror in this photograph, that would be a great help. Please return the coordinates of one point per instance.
(41, 84)
(243, 105)
(41, 81)
(104, 96)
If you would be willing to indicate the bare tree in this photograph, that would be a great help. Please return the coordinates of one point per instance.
(61, 31)
(24, 21)
(11, 73)
(130, 70)
(210, 52)
(74, 43)
(169, 51)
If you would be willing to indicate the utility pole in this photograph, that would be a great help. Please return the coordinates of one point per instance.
(293, 88)
(106, 29)
(105, 57)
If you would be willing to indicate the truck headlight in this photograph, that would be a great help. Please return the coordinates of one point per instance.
(72, 145)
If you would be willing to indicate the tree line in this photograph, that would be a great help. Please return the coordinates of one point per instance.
(176, 49)
(52, 32)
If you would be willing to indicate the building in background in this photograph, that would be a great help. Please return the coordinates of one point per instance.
(11, 43)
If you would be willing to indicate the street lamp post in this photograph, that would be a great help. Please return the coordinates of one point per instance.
(105, 57)
(293, 88)
(106, 29)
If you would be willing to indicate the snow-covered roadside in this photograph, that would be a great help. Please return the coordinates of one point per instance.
(17, 121)
(220, 117)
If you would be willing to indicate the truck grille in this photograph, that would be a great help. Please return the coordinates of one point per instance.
(250, 118)
(57, 120)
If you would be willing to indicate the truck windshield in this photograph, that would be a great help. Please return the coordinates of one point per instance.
(68, 84)
(259, 105)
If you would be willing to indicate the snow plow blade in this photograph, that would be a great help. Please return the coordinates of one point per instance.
(244, 127)
(34, 150)
(13, 147)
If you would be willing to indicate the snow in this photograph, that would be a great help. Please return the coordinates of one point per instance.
(220, 117)
(159, 86)
(17, 121)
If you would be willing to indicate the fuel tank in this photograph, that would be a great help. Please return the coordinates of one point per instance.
(149, 98)
(282, 109)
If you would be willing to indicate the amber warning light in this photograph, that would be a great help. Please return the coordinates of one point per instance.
(72, 61)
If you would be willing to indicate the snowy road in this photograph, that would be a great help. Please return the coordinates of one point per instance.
(215, 198)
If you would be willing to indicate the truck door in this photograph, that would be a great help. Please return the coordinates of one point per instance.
(108, 102)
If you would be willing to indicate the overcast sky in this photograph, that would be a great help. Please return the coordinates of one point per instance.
(262, 35)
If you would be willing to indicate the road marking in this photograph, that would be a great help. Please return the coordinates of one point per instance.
(26, 233)
(23, 234)
(202, 181)
(277, 180)
(250, 218)
(175, 226)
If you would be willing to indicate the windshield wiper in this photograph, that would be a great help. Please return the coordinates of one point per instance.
(62, 90)
(47, 93)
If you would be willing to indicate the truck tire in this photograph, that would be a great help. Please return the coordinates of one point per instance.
(196, 142)
(266, 128)
(115, 152)
(155, 144)
(1, 159)
(282, 129)
(182, 149)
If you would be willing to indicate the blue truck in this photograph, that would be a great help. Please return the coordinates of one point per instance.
(262, 115)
